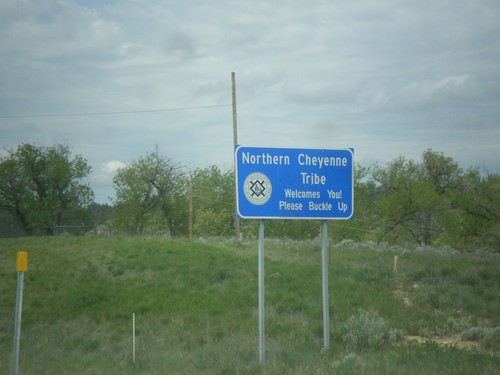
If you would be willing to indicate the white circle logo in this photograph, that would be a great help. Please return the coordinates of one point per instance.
(257, 188)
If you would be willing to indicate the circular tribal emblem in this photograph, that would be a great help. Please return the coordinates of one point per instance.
(257, 188)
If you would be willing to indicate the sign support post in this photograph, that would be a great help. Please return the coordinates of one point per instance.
(262, 338)
(22, 266)
(326, 304)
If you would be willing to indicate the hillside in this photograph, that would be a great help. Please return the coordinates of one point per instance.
(196, 308)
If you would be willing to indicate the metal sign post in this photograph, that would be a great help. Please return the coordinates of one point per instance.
(22, 266)
(262, 318)
(324, 266)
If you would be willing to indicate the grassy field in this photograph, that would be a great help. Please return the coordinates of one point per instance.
(196, 308)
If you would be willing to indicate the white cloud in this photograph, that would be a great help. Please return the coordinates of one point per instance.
(107, 171)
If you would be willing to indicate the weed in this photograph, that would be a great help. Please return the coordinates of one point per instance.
(350, 360)
(369, 331)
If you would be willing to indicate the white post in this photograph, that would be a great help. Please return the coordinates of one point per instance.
(262, 340)
(326, 305)
(133, 339)
(22, 266)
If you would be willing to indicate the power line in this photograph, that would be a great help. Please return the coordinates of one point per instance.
(115, 113)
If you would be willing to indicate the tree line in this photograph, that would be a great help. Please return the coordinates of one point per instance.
(430, 202)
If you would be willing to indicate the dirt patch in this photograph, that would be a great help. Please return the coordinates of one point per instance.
(445, 341)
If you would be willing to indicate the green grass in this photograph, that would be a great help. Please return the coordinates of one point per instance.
(196, 308)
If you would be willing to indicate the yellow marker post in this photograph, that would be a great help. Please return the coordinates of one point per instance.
(22, 266)
(22, 261)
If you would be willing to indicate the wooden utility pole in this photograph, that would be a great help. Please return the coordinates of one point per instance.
(190, 211)
(235, 141)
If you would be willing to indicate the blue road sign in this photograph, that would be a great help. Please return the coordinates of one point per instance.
(288, 183)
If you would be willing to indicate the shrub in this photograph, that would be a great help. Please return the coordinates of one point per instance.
(488, 337)
(474, 334)
(350, 360)
(492, 339)
(369, 331)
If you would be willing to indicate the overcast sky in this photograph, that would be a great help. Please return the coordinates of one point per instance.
(389, 78)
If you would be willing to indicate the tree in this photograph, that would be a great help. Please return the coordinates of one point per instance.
(414, 198)
(435, 203)
(441, 174)
(396, 204)
(477, 210)
(442, 171)
(362, 225)
(213, 201)
(146, 191)
(42, 187)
